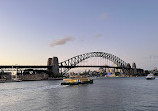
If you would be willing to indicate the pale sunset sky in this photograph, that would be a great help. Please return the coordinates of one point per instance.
(31, 31)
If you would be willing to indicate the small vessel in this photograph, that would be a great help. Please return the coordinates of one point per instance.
(150, 76)
(111, 75)
(76, 80)
(2, 80)
(16, 80)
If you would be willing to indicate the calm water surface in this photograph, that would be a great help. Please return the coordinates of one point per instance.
(106, 94)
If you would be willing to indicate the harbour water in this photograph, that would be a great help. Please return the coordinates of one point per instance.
(105, 94)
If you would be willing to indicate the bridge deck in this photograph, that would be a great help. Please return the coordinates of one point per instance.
(42, 66)
(91, 66)
(28, 66)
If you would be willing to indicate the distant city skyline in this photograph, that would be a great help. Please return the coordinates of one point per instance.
(32, 31)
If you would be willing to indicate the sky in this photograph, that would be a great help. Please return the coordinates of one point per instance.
(31, 31)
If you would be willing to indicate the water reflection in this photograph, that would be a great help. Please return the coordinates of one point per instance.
(110, 94)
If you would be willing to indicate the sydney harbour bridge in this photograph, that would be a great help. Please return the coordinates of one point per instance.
(75, 62)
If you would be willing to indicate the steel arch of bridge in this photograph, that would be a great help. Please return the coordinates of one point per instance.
(79, 58)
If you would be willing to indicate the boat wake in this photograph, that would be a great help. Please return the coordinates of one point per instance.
(50, 87)
(29, 89)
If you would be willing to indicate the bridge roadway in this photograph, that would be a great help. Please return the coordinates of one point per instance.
(92, 66)
(42, 66)
(23, 66)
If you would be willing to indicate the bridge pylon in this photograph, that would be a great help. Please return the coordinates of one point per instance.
(53, 62)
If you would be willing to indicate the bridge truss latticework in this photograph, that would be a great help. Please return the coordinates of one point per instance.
(77, 59)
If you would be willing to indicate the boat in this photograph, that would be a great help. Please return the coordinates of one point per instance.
(2, 80)
(76, 80)
(16, 80)
(150, 76)
(111, 75)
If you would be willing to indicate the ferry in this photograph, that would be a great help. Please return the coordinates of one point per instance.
(150, 76)
(76, 80)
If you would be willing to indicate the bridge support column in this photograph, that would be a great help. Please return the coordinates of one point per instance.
(55, 65)
(53, 62)
(49, 63)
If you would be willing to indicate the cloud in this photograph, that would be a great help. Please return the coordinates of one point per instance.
(103, 16)
(61, 41)
(98, 35)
